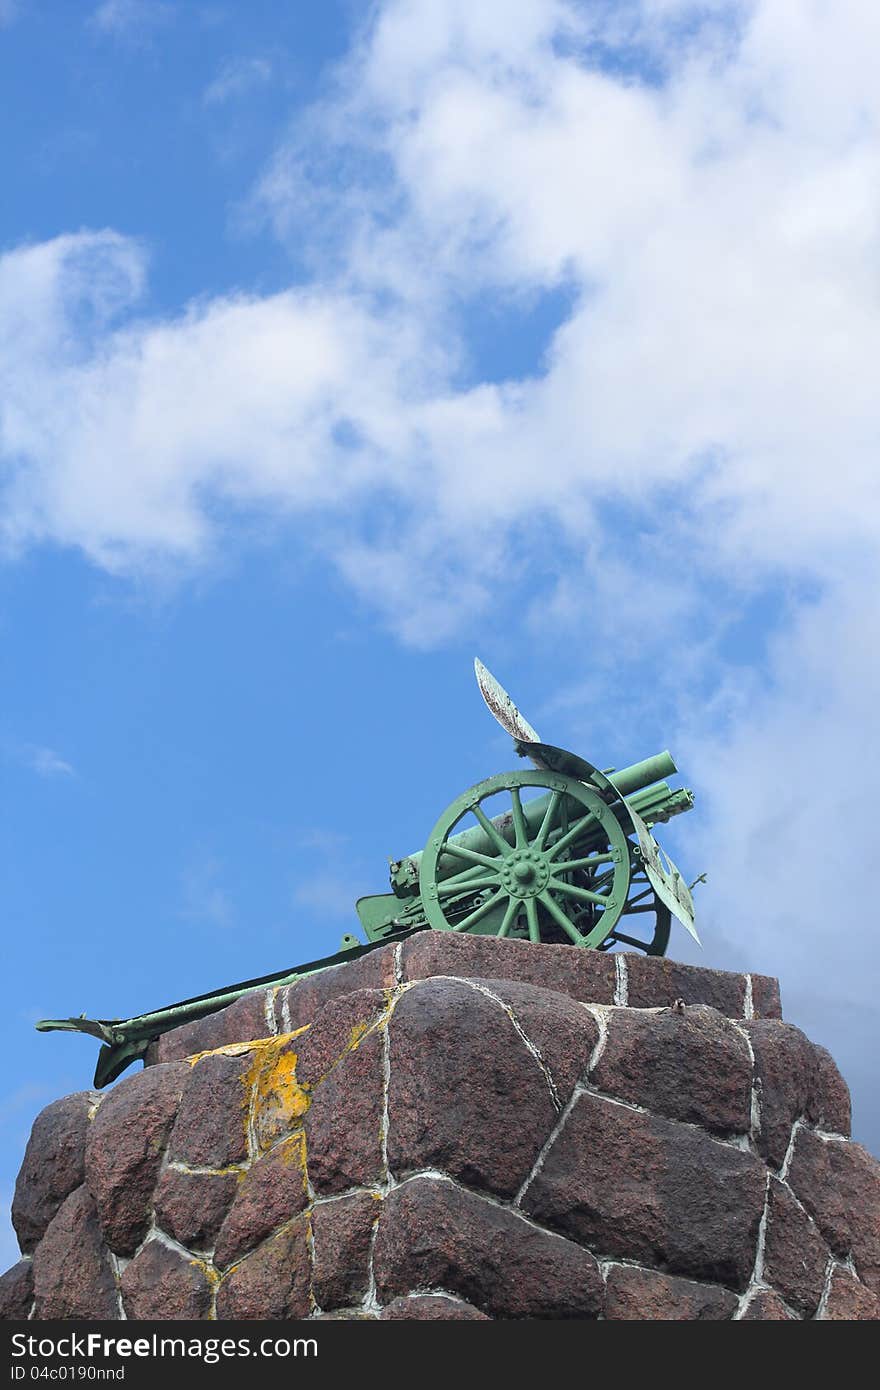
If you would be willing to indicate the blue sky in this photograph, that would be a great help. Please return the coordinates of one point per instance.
(341, 343)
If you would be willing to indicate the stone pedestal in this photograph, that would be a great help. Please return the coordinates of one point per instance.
(461, 1127)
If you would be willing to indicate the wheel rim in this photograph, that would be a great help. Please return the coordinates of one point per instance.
(645, 923)
(558, 869)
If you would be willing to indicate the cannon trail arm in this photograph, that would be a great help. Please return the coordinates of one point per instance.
(126, 1040)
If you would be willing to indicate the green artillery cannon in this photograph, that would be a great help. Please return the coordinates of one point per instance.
(560, 853)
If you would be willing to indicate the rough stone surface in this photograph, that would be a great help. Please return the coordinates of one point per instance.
(342, 1231)
(645, 1295)
(161, 1283)
(211, 1126)
(692, 1066)
(785, 1073)
(347, 1315)
(829, 1106)
(273, 1282)
(434, 1235)
(839, 1184)
(298, 1004)
(466, 1095)
(124, 1149)
(270, 1193)
(16, 1292)
(53, 1165)
(191, 1207)
(766, 1306)
(640, 1187)
(340, 1026)
(358, 1146)
(795, 1255)
(590, 976)
(655, 982)
(561, 1030)
(432, 1308)
(250, 1017)
(848, 1300)
(72, 1273)
(766, 1002)
(344, 1122)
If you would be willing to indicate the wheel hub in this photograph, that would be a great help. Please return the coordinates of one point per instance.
(524, 873)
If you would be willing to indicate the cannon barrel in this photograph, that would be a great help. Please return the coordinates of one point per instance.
(640, 775)
(630, 781)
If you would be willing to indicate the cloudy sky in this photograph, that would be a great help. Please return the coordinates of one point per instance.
(340, 343)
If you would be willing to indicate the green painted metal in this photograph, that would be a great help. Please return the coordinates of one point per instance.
(576, 864)
(668, 883)
(635, 779)
(125, 1040)
(541, 879)
(383, 914)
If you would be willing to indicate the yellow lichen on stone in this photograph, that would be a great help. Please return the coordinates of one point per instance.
(207, 1269)
(228, 1050)
(355, 1038)
(240, 1049)
(293, 1152)
(276, 1101)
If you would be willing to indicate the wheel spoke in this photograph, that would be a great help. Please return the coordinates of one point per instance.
(519, 820)
(547, 822)
(583, 895)
(450, 886)
(532, 919)
(465, 877)
(478, 913)
(470, 856)
(491, 830)
(556, 912)
(587, 863)
(641, 907)
(630, 940)
(638, 898)
(571, 834)
(509, 916)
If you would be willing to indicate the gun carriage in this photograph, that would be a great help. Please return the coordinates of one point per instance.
(562, 852)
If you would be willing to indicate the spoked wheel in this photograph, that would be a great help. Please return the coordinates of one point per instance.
(645, 923)
(536, 855)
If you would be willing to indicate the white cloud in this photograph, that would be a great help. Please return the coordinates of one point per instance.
(718, 233)
(204, 900)
(236, 78)
(47, 763)
(328, 884)
(330, 844)
(118, 447)
(717, 229)
(787, 820)
(327, 894)
(19, 1103)
(127, 18)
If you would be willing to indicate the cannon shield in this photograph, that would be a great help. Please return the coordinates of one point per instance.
(667, 882)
